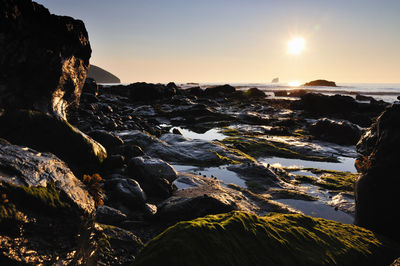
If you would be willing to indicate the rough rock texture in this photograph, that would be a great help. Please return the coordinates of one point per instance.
(341, 132)
(45, 211)
(376, 190)
(219, 90)
(44, 58)
(239, 238)
(320, 82)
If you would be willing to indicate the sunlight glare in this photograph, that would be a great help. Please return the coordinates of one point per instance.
(294, 83)
(296, 45)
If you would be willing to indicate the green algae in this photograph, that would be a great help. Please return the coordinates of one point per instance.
(239, 238)
(258, 147)
(330, 179)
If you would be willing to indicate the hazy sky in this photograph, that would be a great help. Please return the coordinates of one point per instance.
(241, 40)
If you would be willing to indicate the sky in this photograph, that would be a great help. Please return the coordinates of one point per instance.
(241, 41)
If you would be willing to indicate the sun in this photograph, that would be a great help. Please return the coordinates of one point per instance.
(296, 46)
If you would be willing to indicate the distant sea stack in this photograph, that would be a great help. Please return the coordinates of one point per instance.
(320, 82)
(101, 75)
(275, 80)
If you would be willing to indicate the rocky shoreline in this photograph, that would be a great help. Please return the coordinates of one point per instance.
(93, 174)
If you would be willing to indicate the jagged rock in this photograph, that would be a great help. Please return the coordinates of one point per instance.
(341, 132)
(197, 91)
(44, 58)
(46, 212)
(376, 190)
(108, 215)
(239, 238)
(320, 82)
(48, 133)
(155, 175)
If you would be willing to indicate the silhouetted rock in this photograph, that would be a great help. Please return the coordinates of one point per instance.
(275, 80)
(340, 132)
(142, 91)
(48, 212)
(44, 58)
(195, 91)
(254, 92)
(108, 215)
(102, 76)
(376, 190)
(360, 97)
(320, 82)
(220, 90)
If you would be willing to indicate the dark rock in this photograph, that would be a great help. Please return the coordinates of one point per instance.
(48, 133)
(154, 175)
(340, 132)
(172, 86)
(113, 162)
(360, 97)
(126, 191)
(47, 205)
(197, 91)
(320, 82)
(108, 215)
(90, 87)
(110, 141)
(323, 104)
(219, 90)
(376, 190)
(176, 131)
(150, 210)
(102, 76)
(179, 209)
(117, 246)
(44, 58)
(130, 151)
(254, 92)
(281, 93)
(142, 91)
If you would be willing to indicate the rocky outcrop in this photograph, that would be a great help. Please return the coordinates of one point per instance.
(376, 190)
(46, 212)
(44, 58)
(320, 82)
(341, 132)
(254, 92)
(239, 238)
(102, 76)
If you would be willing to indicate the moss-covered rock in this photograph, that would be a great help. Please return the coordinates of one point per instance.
(239, 238)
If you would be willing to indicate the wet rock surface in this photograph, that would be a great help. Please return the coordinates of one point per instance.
(46, 212)
(341, 132)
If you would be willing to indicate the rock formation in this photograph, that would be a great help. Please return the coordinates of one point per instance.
(320, 82)
(102, 76)
(376, 190)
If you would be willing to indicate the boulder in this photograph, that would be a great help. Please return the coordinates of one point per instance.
(44, 59)
(182, 208)
(126, 191)
(254, 93)
(197, 91)
(320, 82)
(107, 139)
(341, 132)
(219, 90)
(46, 212)
(376, 191)
(239, 238)
(155, 175)
(48, 133)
